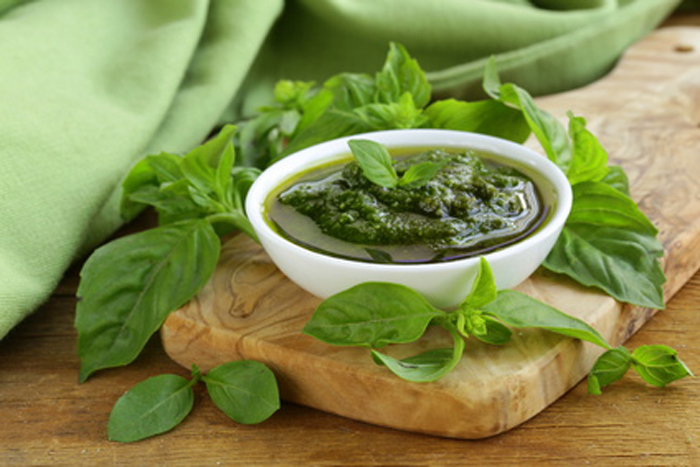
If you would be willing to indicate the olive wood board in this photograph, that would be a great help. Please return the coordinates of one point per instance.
(647, 115)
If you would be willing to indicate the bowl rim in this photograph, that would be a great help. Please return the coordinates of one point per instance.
(322, 153)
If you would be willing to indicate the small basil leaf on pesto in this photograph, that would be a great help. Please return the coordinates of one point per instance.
(420, 174)
(375, 161)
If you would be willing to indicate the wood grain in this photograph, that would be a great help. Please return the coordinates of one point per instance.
(50, 419)
(646, 115)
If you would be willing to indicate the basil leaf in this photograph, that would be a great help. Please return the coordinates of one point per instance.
(401, 114)
(172, 201)
(486, 117)
(521, 311)
(313, 109)
(589, 161)
(226, 222)
(150, 408)
(245, 390)
(372, 314)
(401, 74)
(375, 161)
(420, 174)
(149, 173)
(596, 203)
(658, 365)
(206, 165)
(610, 367)
(491, 82)
(243, 178)
(427, 366)
(166, 166)
(129, 286)
(289, 121)
(351, 90)
(332, 124)
(620, 262)
(473, 323)
(617, 178)
(483, 288)
(257, 138)
(223, 180)
(496, 333)
(292, 94)
(549, 132)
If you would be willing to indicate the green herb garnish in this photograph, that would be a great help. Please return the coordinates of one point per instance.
(129, 286)
(375, 314)
(375, 161)
(378, 166)
(607, 241)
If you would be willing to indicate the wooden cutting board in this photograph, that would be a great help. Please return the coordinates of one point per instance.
(646, 113)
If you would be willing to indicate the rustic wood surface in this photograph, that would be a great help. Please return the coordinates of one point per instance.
(249, 310)
(48, 419)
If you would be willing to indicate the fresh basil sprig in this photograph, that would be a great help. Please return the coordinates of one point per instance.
(378, 166)
(375, 314)
(607, 242)
(397, 96)
(129, 286)
(246, 391)
(375, 161)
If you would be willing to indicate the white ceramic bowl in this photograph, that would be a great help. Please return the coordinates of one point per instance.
(444, 284)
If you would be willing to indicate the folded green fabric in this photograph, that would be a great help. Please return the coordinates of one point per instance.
(89, 87)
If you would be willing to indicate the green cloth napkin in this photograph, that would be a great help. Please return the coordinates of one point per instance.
(88, 87)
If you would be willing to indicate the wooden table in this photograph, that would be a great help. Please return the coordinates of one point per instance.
(47, 418)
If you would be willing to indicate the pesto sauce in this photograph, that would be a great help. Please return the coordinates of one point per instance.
(473, 205)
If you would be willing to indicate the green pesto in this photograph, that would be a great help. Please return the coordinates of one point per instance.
(471, 206)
